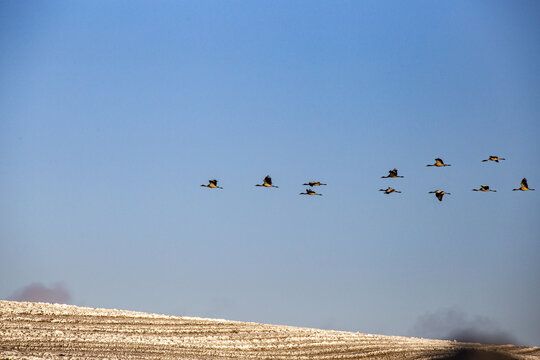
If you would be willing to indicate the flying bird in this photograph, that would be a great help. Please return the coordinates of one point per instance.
(524, 186)
(313, 183)
(484, 188)
(493, 158)
(439, 163)
(439, 194)
(267, 182)
(310, 192)
(392, 174)
(389, 190)
(212, 184)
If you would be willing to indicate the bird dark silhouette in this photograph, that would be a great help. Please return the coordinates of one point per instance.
(493, 158)
(267, 182)
(310, 192)
(212, 184)
(389, 190)
(392, 174)
(313, 183)
(484, 188)
(439, 163)
(524, 186)
(439, 194)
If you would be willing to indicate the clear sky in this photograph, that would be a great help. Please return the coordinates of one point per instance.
(113, 113)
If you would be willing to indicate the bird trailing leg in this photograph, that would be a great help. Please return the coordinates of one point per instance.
(310, 192)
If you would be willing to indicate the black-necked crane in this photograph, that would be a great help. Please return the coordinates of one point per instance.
(310, 192)
(389, 190)
(392, 174)
(484, 188)
(267, 182)
(439, 194)
(313, 183)
(524, 186)
(493, 158)
(212, 184)
(439, 163)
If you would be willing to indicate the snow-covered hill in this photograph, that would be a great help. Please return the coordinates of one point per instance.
(53, 331)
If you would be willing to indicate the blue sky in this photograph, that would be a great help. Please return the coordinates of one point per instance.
(113, 113)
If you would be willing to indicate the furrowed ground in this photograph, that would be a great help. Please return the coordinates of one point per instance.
(53, 331)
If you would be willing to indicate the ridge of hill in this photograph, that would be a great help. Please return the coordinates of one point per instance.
(53, 331)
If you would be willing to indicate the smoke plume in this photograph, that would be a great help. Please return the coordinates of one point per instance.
(456, 325)
(38, 292)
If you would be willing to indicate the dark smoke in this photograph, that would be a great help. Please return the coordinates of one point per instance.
(456, 325)
(483, 336)
(37, 292)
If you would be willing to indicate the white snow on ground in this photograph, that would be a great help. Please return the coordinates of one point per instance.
(53, 331)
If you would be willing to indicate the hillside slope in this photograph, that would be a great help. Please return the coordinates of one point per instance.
(52, 331)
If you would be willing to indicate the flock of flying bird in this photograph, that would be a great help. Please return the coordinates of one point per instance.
(267, 182)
